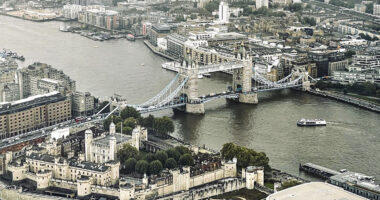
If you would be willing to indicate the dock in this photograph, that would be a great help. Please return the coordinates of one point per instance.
(318, 170)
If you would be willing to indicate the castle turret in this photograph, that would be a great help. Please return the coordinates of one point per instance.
(112, 128)
(87, 144)
(84, 186)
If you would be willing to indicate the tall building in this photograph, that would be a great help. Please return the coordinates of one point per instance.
(9, 92)
(360, 8)
(261, 3)
(224, 13)
(376, 9)
(82, 103)
(32, 113)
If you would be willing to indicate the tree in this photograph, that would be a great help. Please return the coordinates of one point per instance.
(170, 163)
(345, 91)
(149, 157)
(212, 6)
(148, 121)
(162, 156)
(130, 165)
(142, 166)
(163, 126)
(173, 153)
(127, 151)
(295, 7)
(182, 150)
(193, 16)
(130, 122)
(155, 167)
(129, 112)
(180, 18)
(186, 160)
(349, 53)
(245, 157)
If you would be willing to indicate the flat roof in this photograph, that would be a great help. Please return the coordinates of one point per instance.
(314, 191)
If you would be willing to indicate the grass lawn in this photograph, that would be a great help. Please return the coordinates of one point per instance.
(242, 194)
(269, 185)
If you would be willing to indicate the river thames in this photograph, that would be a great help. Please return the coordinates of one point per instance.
(351, 139)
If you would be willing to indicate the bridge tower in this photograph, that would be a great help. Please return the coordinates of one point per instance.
(304, 79)
(190, 70)
(242, 79)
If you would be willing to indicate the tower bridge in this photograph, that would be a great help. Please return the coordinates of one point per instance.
(182, 92)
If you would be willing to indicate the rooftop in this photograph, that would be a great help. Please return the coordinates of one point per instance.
(314, 191)
(358, 179)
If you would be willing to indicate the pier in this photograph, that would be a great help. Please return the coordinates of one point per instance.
(318, 170)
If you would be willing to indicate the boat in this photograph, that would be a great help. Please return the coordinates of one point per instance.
(142, 64)
(130, 37)
(64, 28)
(208, 75)
(200, 76)
(311, 122)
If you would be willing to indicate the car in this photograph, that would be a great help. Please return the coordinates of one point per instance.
(151, 107)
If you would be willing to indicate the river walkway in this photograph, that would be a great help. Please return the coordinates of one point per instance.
(348, 99)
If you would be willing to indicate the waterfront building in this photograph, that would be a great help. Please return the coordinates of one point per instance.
(158, 31)
(175, 45)
(357, 183)
(71, 11)
(98, 16)
(224, 14)
(282, 2)
(323, 58)
(40, 78)
(32, 113)
(356, 76)
(261, 3)
(338, 65)
(376, 9)
(82, 103)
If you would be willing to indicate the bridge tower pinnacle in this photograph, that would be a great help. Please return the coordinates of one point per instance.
(190, 70)
(242, 79)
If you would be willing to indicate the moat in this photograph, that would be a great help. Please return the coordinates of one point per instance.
(350, 140)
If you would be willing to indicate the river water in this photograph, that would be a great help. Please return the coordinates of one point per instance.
(351, 140)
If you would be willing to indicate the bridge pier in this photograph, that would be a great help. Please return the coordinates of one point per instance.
(195, 108)
(249, 98)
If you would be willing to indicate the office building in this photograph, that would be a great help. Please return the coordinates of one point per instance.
(33, 113)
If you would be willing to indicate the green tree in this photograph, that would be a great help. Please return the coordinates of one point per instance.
(182, 150)
(128, 112)
(295, 7)
(173, 153)
(245, 157)
(212, 6)
(142, 166)
(155, 167)
(130, 165)
(349, 53)
(163, 126)
(171, 163)
(186, 160)
(130, 122)
(126, 152)
(162, 156)
(148, 121)
(193, 16)
(149, 157)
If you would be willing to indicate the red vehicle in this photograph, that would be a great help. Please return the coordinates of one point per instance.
(80, 119)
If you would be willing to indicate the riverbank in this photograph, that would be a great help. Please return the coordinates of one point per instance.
(28, 19)
(347, 99)
(157, 51)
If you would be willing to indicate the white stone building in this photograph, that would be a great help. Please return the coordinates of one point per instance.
(261, 3)
(71, 11)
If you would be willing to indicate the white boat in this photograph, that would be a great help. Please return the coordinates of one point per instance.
(208, 75)
(311, 122)
(200, 76)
